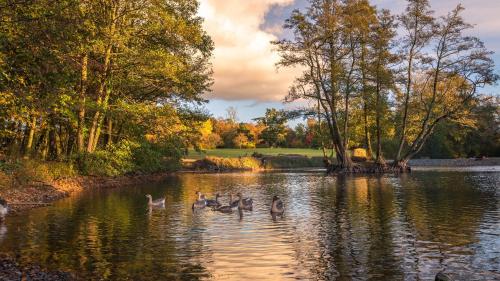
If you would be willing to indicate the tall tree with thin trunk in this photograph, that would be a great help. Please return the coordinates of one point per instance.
(380, 73)
(458, 66)
(418, 23)
(325, 44)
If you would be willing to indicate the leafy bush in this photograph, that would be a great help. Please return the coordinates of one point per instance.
(115, 160)
(157, 157)
(131, 157)
(26, 171)
(223, 164)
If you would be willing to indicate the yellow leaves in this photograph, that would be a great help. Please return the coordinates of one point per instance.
(240, 140)
(6, 99)
(449, 98)
(206, 128)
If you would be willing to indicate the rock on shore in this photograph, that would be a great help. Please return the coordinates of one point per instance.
(12, 270)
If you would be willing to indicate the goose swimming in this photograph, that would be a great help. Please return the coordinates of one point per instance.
(233, 203)
(201, 202)
(229, 208)
(277, 207)
(214, 202)
(244, 203)
(155, 203)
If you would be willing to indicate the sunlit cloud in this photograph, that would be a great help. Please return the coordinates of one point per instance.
(244, 61)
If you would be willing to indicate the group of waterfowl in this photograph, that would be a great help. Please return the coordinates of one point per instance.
(241, 204)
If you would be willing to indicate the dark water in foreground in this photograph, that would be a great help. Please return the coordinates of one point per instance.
(355, 228)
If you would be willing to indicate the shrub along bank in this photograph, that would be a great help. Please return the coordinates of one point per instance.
(256, 162)
(123, 158)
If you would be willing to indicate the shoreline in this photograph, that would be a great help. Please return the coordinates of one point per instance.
(39, 194)
(49, 192)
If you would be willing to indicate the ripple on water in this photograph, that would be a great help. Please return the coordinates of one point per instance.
(361, 228)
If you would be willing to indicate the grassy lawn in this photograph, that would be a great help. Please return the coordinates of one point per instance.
(235, 152)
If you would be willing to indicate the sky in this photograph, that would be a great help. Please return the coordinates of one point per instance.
(245, 75)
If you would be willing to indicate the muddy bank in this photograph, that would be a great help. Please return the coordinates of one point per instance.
(37, 194)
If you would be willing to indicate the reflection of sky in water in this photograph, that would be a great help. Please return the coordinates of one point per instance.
(390, 228)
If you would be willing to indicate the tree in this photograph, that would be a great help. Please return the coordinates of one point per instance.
(75, 69)
(418, 24)
(240, 140)
(275, 129)
(232, 114)
(346, 50)
(380, 73)
(226, 130)
(448, 85)
(325, 43)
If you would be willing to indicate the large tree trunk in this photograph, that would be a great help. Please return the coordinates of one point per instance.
(401, 166)
(343, 159)
(93, 128)
(81, 104)
(101, 118)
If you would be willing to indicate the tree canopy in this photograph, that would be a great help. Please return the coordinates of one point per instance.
(363, 73)
(78, 76)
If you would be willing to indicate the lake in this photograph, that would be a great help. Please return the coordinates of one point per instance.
(406, 227)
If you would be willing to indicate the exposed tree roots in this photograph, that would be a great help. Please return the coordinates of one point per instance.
(368, 168)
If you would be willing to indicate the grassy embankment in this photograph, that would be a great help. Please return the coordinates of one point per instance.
(34, 180)
(25, 180)
(28, 183)
(254, 159)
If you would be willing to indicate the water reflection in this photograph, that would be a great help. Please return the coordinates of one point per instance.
(346, 228)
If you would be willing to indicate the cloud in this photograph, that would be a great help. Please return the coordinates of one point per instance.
(244, 61)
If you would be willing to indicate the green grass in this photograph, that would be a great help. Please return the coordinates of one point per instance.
(235, 152)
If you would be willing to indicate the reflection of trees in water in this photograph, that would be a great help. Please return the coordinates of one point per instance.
(442, 218)
(335, 236)
(108, 237)
(374, 228)
(382, 258)
(387, 228)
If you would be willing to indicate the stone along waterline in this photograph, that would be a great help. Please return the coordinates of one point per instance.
(378, 228)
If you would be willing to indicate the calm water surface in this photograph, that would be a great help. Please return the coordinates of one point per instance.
(352, 228)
